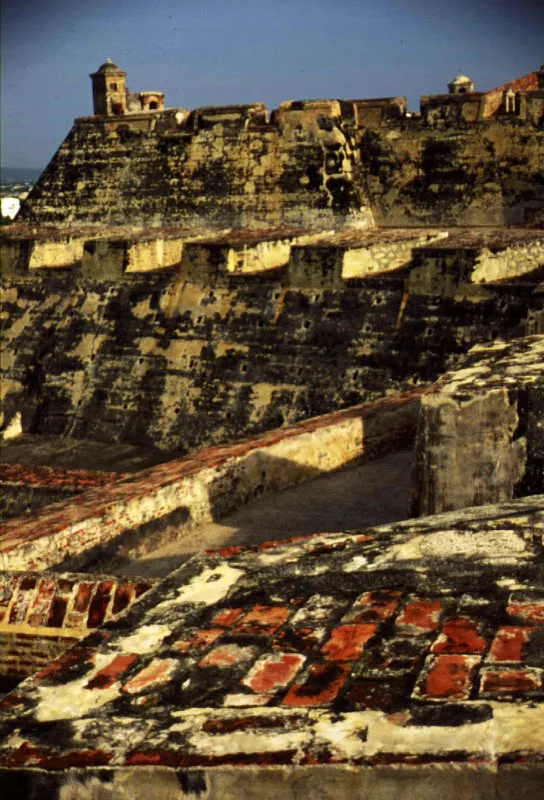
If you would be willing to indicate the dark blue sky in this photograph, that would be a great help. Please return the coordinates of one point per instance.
(234, 51)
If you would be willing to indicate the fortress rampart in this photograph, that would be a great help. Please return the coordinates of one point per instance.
(212, 306)
(468, 158)
(189, 355)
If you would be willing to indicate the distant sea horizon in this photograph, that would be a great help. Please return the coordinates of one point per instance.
(19, 174)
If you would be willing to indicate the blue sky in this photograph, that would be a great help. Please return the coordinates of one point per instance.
(207, 52)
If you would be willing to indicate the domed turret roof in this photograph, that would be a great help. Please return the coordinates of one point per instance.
(461, 79)
(109, 66)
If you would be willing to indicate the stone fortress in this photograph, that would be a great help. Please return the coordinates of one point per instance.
(202, 308)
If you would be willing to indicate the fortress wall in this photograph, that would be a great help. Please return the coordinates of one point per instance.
(183, 364)
(318, 164)
(486, 174)
(219, 168)
(385, 255)
(461, 260)
(64, 252)
(329, 260)
(41, 616)
(151, 507)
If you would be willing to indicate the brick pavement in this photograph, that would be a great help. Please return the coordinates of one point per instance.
(362, 648)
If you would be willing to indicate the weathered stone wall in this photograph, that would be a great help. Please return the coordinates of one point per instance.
(485, 174)
(481, 430)
(504, 257)
(181, 361)
(224, 166)
(314, 163)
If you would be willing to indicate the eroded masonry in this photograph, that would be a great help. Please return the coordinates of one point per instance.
(222, 312)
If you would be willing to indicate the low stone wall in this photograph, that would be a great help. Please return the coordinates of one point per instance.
(454, 265)
(24, 489)
(509, 262)
(481, 430)
(181, 494)
(43, 615)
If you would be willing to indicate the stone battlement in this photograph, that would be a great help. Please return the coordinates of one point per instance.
(317, 164)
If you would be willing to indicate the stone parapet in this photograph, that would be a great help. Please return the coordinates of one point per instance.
(187, 492)
(481, 430)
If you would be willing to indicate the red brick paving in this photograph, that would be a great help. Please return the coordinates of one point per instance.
(374, 606)
(109, 674)
(508, 643)
(199, 641)
(227, 655)
(511, 682)
(420, 615)
(264, 620)
(449, 677)
(158, 671)
(529, 612)
(226, 617)
(415, 656)
(459, 635)
(321, 686)
(273, 672)
(346, 642)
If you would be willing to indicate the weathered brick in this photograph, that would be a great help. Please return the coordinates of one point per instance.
(99, 604)
(227, 655)
(299, 640)
(510, 682)
(22, 600)
(317, 610)
(225, 617)
(383, 693)
(319, 687)
(508, 643)
(8, 586)
(109, 674)
(459, 635)
(420, 615)
(398, 654)
(122, 598)
(198, 641)
(346, 642)
(528, 611)
(83, 597)
(39, 611)
(158, 671)
(273, 672)
(375, 606)
(264, 620)
(448, 677)
(57, 612)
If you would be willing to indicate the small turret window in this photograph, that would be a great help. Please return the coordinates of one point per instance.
(114, 87)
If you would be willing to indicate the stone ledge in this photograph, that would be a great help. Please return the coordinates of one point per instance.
(210, 483)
